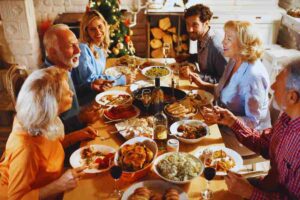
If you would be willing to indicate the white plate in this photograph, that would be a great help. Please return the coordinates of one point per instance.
(206, 97)
(137, 111)
(117, 71)
(175, 125)
(136, 127)
(76, 161)
(163, 156)
(144, 71)
(233, 154)
(155, 185)
(99, 96)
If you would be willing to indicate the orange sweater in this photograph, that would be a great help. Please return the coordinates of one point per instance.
(28, 164)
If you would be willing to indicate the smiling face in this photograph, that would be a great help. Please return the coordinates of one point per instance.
(195, 28)
(231, 44)
(67, 50)
(96, 31)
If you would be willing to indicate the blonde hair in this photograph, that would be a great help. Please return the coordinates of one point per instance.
(250, 43)
(87, 18)
(38, 101)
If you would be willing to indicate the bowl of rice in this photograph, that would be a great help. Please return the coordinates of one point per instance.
(178, 167)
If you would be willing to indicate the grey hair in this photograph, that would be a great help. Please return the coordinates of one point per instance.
(293, 75)
(50, 37)
(38, 101)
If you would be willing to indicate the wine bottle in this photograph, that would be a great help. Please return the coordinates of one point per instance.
(157, 98)
(160, 119)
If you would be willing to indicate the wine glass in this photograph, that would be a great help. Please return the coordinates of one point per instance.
(166, 51)
(116, 172)
(209, 174)
(146, 98)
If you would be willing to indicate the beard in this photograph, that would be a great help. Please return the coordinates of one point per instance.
(277, 106)
(69, 61)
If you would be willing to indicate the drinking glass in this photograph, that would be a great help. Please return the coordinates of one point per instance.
(116, 172)
(209, 174)
(166, 51)
(146, 98)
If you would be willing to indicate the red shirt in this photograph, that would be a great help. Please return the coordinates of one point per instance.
(281, 145)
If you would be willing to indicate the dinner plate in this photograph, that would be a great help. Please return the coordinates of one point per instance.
(117, 70)
(202, 98)
(76, 161)
(146, 70)
(233, 154)
(137, 113)
(175, 125)
(99, 97)
(157, 186)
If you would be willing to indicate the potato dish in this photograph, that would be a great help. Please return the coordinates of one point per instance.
(179, 167)
(133, 157)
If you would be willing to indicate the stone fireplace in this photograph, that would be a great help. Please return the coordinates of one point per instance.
(19, 38)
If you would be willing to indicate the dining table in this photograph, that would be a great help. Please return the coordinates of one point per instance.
(99, 185)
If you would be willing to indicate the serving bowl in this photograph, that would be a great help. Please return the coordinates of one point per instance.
(196, 123)
(133, 175)
(181, 163)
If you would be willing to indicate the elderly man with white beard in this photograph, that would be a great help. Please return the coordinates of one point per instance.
(62, 51)
(279, 144)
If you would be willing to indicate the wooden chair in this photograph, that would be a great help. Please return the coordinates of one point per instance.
(15, 78)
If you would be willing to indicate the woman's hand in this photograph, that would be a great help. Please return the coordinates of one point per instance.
(185, 70)
(101, 85)
(238, 185)
(67, 181)
(87, 133)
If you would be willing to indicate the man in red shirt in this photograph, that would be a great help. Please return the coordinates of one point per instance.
(279, 144)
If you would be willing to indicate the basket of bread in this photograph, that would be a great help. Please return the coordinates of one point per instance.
(135, 157)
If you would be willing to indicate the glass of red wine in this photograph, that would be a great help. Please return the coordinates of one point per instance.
(209, 174)
(116, 172)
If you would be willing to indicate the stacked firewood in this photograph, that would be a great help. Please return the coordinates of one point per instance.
(166, 33)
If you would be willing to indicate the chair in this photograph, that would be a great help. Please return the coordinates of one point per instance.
(15, 78)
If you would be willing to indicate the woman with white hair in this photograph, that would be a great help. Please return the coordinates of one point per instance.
(244, 85)
(89, 77)
(32, 164)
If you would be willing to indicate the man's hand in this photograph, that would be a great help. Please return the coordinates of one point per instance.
(101, 85)
(238, 185)
(185, 70)
(218, 115)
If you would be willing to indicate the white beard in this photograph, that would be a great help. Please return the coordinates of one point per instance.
(277, 107)
(69, 62)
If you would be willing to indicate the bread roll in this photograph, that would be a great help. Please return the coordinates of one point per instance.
(167, 39)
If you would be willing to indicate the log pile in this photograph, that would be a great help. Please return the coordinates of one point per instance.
(166, 33)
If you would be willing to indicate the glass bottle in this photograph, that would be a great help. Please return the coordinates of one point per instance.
(160, 119)
(157, 97)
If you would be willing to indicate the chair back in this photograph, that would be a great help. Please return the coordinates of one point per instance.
(15, 78)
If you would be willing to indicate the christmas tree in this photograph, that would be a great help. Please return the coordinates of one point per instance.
(119, 27)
